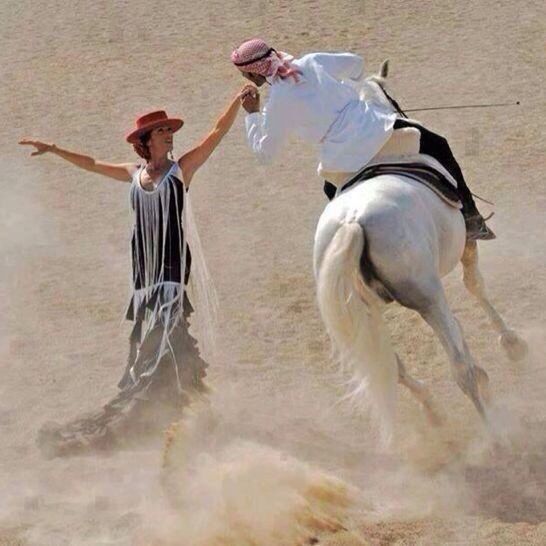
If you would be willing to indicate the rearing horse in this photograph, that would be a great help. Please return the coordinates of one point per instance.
(391, 235)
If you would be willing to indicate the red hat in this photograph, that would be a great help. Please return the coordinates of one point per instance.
(151, 121)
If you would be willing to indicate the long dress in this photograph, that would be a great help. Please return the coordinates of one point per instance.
(159, 303)
(164, 367)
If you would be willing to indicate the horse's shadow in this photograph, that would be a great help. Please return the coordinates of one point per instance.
(512, 486)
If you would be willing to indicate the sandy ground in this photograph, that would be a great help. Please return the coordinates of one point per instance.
(77, 74)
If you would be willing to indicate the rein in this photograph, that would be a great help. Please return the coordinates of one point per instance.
(462, 106)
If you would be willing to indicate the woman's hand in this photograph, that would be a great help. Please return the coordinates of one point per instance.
(122, 171)
(41, 147)
(248, 89)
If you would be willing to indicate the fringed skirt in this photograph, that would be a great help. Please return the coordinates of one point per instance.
(165, 360)
(164, 372)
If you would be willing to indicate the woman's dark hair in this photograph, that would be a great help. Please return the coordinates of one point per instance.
(141, 147)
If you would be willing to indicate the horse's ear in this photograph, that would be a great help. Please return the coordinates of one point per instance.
(384, 70)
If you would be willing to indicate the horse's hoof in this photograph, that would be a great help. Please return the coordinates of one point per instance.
(515, 347)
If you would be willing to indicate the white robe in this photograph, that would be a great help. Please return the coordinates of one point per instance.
(323, 109)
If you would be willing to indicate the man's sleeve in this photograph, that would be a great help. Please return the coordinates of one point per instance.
(341, 66)
(267, 130)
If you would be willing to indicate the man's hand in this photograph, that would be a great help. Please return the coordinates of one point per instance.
(250, 99)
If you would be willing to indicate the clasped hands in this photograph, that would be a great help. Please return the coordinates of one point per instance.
(250, 98)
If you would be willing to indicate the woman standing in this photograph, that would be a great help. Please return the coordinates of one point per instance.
(164, 366)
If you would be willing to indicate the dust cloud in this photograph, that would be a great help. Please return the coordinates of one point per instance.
(276, 458)
(273, 456)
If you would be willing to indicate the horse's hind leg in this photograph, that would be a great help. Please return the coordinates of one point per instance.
(472, 379)
(420, 391)
(515, 346)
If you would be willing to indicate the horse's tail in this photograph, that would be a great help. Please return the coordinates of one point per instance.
(351, 311)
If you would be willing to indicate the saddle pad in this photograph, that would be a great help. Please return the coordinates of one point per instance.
(419, 172)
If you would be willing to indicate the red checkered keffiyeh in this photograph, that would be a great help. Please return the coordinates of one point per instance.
(257, 57)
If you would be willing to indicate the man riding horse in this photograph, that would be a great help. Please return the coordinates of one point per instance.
(316, 97)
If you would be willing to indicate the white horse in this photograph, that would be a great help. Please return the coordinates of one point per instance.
(392, 238)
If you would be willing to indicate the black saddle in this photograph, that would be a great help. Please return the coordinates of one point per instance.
(419, 172)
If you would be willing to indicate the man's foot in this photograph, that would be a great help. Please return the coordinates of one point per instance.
(476, 228)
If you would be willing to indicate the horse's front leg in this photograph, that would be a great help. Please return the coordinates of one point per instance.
(510, 341)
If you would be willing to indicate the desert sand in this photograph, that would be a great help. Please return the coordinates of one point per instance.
(275, 455)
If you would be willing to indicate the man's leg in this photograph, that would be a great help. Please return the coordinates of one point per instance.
(438, 147)
(330, 190)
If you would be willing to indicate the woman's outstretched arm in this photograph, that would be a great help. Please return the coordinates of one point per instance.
(120, 171)
(192, 160)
